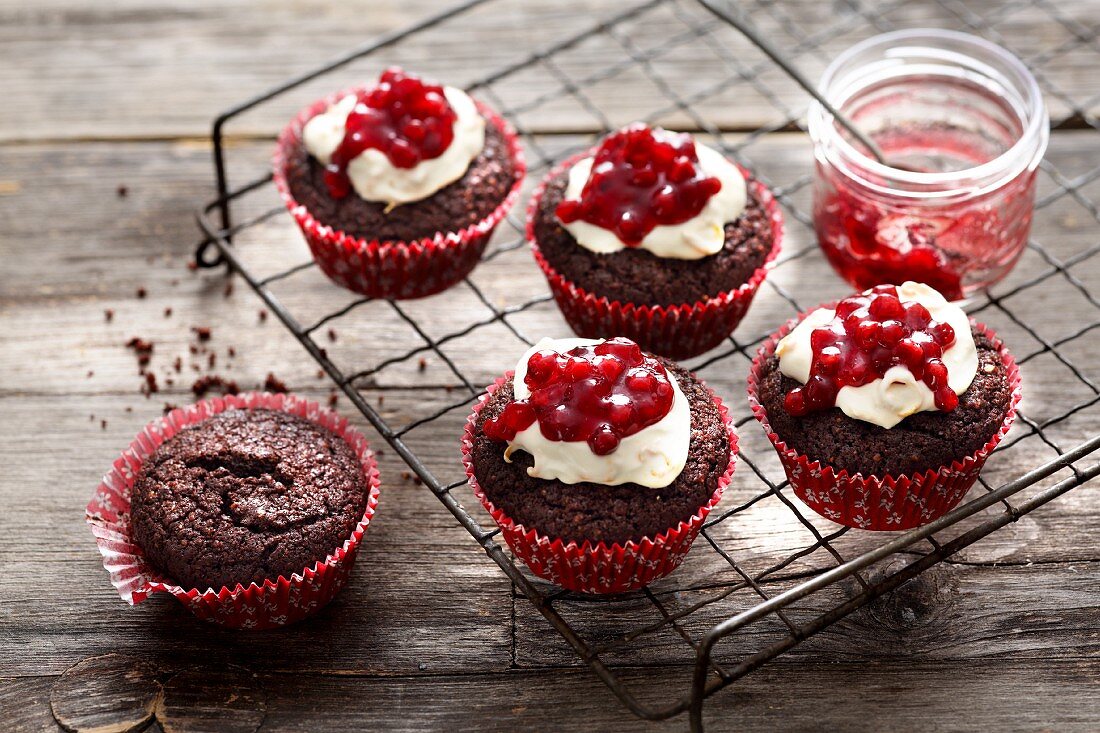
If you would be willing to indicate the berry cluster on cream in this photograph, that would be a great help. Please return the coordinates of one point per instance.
(657, 190)
(880, 355)
(593, 410)
(399, 141)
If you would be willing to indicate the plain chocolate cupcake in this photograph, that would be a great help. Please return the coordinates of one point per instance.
(245, 496)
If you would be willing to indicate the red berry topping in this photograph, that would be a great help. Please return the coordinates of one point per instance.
(870, 334)
(641, 178)
(598, 394)
(404, 117)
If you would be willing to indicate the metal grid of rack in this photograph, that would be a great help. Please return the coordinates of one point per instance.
(734, 605)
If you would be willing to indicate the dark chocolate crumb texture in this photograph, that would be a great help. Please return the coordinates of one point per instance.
(923, 441)
(244, 496)
(596, 512)
(456, 206)
(635, 275)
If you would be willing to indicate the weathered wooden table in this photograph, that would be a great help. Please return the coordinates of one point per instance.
(103, 158)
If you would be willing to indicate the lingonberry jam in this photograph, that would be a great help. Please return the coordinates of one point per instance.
(871, 333)
(598, 394)
(404, 117)
(641, 178)
(962, 128)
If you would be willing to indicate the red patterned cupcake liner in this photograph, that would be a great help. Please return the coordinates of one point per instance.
(597, 568)
(275, 603)
(393, 269)
(880, 502)
(675, 331)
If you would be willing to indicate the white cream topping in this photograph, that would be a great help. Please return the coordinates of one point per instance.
(653, 457)
(702, 235)
(371, 173)
(897, 394)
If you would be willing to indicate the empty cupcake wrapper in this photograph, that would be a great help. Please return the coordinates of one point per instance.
(278, 601)
(676, 331)
(393, 269)
(597, 568)
(880, 502)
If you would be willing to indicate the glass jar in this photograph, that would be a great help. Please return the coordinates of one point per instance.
(962, 126)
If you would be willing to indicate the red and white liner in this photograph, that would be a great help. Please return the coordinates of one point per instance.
(885, 502)
(676, 331)
(597, 568)
(278, 601)
(393, 269)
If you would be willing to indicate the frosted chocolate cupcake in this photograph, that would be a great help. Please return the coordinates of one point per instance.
(399, 185)
(655, 236)
(594, 449)
(892, 392)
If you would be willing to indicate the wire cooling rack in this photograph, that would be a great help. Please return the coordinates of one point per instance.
(766, 573)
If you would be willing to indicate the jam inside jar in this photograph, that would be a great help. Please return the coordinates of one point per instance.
(962, 127)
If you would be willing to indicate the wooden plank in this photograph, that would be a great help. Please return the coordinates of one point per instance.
(1006, 696)
(224, 52)
(1037, 612)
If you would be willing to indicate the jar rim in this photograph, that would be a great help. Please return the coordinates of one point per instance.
(1034, 135)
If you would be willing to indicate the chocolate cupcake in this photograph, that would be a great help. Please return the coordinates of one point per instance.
(656, 237)
(249, 509)
(599, 461)
(885, 405)
(246, 496)
(398, 187)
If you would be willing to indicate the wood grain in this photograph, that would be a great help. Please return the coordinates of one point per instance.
(428, 635)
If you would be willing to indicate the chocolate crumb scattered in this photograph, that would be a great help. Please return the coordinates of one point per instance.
(416, 480)
(90, 374)
(332, 334)
(201, 332)
(109, 315)
(212, 359)
(177, 364)
(102, 424)
(150, 386)
(324, 354)
(214, 383)
(142, 348)
(196, 368)
(422, 364)
(228, 288)
(332, 400)
(192, 265)
(129, 408)
(263, 315)
(405, 475)
(274, 384)
(141, 292)
(449, 387)
(122, 191)
(168, 407)
(320, 373)
(167, 312)
(381, 399)
(193, 349)
(169, 381)
(231, 352)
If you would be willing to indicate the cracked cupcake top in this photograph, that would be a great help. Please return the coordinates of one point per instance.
(244, 496)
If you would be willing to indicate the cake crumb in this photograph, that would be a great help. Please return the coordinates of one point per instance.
(422, 364)
(332, 335)
(102, 424)
(333, 398)
(263, 315)
(90, 374)
(274, 384)
(167, 312)
(214, 383)
(141, 293)
(231, 352)
(177, 364)
(211, 360)
(150, 387)
(192, 265)
(142, 348)
(109, 315)
(320, 373)
(203, 333)
(168, 407)
(129, 408)
(122, 191)
(228, 289)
